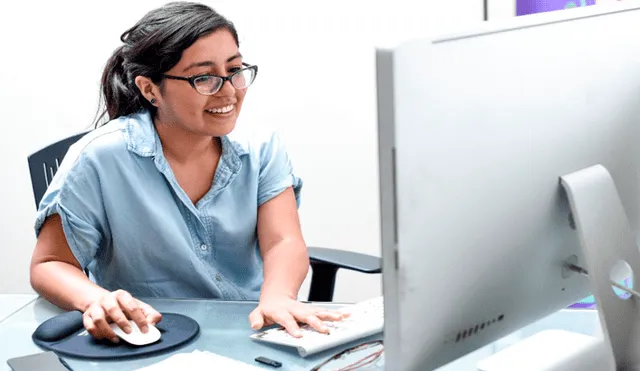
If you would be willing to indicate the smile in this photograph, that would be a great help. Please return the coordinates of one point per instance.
(225, 109)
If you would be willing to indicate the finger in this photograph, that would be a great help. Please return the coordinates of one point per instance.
(345, 313)
(286, 320)
(99, 319)
(132, 310)
(256, 319)
(327, 314)
(152, 315)
(330, 316)
(112, 308)
(91, 327)
(315, 323)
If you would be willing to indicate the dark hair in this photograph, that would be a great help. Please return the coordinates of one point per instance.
(152, 47)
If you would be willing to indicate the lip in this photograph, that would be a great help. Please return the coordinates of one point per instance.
(223, 105)
(221, 115)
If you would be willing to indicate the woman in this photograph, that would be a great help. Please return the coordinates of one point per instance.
(160, 201)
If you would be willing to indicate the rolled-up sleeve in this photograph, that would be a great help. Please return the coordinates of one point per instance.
(276, 171)
(74, 194)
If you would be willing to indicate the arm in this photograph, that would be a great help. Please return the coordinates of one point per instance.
(282, 245)
(286, 263)
(284, 253)
(56, 274)
(70, 226)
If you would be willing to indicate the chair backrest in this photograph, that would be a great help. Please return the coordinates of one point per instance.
(44, 164)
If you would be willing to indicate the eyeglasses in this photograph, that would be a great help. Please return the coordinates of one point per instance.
(208, 84)
(359, 356)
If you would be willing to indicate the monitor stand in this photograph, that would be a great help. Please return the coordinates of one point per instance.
(606, 239)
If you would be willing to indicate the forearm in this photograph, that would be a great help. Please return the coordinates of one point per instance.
(286, 265)
(64, 285)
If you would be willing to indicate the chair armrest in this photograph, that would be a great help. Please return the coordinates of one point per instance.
(325, 264)
(345, 259)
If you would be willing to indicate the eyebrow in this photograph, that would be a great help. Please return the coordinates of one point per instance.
(210, 63)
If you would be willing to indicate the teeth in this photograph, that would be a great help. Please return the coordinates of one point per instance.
(224, 109)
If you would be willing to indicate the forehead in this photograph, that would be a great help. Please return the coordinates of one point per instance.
(216, 47)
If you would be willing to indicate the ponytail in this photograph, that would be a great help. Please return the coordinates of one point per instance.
(121, 95)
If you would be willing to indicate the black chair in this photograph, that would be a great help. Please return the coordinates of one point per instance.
(324, 262)
(45, 163)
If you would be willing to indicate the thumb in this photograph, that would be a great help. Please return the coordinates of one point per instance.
(256, 320)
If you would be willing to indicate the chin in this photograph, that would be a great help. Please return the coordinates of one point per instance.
(219, 127)
(218, 130)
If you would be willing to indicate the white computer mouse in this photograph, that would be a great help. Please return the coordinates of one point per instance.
(137, 337)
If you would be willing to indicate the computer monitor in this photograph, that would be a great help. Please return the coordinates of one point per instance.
(475, 131)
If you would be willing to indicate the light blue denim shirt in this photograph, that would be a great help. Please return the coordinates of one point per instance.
(126, 218)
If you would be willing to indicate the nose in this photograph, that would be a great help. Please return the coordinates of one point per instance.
(227, 89)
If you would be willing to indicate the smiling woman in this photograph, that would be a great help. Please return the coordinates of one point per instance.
(161, 201)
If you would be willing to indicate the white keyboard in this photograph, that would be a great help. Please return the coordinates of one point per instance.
(366, 318)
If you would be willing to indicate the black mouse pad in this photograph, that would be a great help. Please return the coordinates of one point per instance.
(65, 335)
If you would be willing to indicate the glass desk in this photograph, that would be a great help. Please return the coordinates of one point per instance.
(224, 329)
(9, 303)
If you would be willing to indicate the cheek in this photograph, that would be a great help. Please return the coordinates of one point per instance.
(188, 104)
(240, 97)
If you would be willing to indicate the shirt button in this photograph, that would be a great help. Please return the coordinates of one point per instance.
(204, 247)
(218, 277)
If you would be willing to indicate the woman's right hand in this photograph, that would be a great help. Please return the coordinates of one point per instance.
(118, 306)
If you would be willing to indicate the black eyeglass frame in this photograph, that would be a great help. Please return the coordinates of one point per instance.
(192, 79)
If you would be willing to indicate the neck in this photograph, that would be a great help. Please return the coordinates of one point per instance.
(184, 146)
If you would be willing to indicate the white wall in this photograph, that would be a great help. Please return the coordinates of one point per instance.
(501, 9)
(316, 86)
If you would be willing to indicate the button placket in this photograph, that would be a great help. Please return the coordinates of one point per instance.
(203, 250)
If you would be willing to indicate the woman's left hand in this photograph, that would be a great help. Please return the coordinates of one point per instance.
(288, 312)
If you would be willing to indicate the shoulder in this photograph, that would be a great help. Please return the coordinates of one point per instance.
(76, 183)
(271, 163)
(91, 152)
(103, 141)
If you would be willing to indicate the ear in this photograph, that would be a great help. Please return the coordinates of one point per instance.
(148, 89)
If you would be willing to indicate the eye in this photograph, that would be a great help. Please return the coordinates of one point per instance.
(204, 79)
(234, 69)
(206, 82)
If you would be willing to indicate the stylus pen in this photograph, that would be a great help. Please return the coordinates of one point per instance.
(584, 272)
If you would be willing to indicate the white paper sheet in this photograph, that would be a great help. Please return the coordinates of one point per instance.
(200, 360)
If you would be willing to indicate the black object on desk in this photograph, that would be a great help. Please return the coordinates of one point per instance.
(65, 335)
(269, 362)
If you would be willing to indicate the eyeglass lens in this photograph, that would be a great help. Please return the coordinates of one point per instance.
(211, 84)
